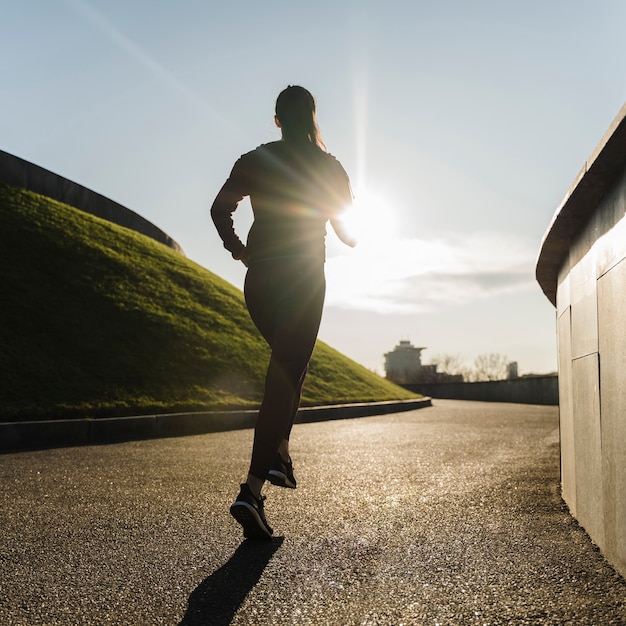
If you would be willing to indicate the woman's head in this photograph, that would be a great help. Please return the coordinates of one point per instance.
(295, 114)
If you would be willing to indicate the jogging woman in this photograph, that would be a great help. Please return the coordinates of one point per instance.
(295, 187)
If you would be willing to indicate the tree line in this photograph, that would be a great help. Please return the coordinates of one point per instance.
(492, 366)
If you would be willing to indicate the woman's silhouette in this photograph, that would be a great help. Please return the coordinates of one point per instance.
(295, 187)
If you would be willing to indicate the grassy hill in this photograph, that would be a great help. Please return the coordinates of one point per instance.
(96, 320)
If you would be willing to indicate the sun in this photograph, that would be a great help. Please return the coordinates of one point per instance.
(371, 219)
(367, 276)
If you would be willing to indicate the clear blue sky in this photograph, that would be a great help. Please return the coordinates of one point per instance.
(462, 126)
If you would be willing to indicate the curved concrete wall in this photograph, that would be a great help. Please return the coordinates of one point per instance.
(582, 270)
(532, 390)
(21, 173)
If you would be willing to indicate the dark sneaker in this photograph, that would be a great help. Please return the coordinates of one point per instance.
(248, 511)
(281, 473)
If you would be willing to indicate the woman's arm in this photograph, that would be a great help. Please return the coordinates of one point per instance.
(342, 232)
(224, 205)
(343, 198)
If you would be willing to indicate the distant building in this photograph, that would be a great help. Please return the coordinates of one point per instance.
(513, 370)
(404, 363)
(403, 366)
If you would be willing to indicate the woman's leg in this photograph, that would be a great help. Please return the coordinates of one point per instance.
(285, 301)
(283, 448)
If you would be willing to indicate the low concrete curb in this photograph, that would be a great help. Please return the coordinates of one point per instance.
(16, 436)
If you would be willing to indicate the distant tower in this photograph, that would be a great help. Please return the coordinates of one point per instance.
(513, 370)
(403, 363)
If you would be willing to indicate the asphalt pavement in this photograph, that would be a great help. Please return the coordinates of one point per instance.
(445, 515)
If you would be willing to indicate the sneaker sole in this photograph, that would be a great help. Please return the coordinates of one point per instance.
(253, 526)
(279, 479)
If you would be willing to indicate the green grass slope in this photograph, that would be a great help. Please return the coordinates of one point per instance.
(96, 320)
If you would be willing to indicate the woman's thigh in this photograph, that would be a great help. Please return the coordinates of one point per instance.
(285, 299)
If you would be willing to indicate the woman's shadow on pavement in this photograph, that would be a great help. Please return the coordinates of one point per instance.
(216, 600)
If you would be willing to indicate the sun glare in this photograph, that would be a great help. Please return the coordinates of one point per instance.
(366, 276)
(371, 219)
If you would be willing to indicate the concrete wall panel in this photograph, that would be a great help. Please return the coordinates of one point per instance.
(584, 307)
(612, 323)
(566, 413)
(588, 445)
(611, 252)
(563, 300)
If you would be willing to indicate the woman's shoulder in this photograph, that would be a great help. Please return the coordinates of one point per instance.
(259, 150)
(272, 146)
(333, 159)
(254, 158)
(260, 153)
(335, 164)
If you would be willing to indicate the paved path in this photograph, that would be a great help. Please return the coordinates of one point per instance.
(446, 515)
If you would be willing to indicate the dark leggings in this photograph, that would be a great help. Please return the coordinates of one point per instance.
(285, 298)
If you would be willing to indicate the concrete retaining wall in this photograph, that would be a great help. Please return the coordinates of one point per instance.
(81, 432)
(21, 173)
(539, 390)
(582, 270)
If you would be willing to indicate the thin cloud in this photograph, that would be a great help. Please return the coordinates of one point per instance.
(415, 275)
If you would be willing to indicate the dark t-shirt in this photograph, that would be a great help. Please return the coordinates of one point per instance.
(293, 191)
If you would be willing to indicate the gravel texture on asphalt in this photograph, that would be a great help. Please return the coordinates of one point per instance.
(447, 515)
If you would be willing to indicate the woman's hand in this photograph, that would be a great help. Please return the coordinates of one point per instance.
(341, 231)
(243, 256)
